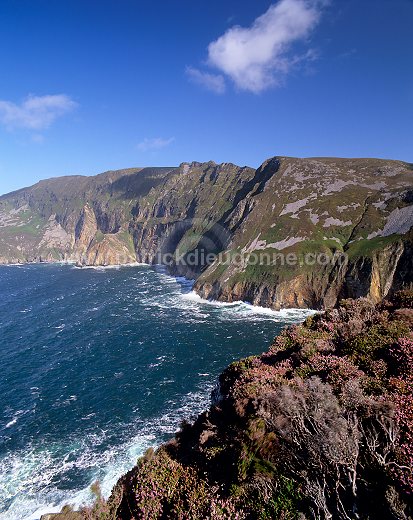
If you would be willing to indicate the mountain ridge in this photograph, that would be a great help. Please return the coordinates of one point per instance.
(358, 213)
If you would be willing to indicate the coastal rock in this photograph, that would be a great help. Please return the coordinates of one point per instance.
(67, 513)
(85, 230)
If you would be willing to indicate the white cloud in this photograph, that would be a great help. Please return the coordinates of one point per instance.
(257, 57)
(213, 82)
(154, 144)
(35, 112)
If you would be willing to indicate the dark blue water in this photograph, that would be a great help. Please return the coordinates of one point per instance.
(98, 365)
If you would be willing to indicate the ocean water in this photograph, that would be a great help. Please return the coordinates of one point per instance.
(97, 365)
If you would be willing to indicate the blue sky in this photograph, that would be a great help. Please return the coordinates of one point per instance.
(92, 85)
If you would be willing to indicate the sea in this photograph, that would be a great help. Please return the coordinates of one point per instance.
(99, 364)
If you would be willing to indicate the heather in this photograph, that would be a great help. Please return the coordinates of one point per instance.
(320, 426)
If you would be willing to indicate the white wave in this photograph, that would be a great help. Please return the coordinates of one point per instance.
(194, 297)
(244, 310)
(60, 327)
(187, 300)
(107, 267)
(27, 478)
(15, 418)
(28, 264)
(282, 314)
(11, 423)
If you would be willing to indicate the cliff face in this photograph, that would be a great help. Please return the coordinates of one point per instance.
(320, 427)
(293, 233)
(79, 219)
(332, 228)
(375, 276)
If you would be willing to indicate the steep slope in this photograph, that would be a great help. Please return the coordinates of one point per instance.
(98, 220)
(196, 213)
(320, 230)
(293, 233)
(320, 426)
(74, 218)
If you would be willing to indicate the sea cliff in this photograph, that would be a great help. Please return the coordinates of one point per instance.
(292, 233)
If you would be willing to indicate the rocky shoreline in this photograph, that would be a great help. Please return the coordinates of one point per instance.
(319, 426)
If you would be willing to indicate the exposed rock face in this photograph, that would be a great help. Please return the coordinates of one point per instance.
(66, 514)
(85, 230)
(293, 233)
(383, 266)
(78, 219)
(372, 276)
(343, 228)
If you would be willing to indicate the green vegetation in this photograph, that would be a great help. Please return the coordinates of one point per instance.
(366, 248)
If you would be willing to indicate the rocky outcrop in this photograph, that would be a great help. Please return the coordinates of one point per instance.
(86, 229)
(66, 515)
(293, 233)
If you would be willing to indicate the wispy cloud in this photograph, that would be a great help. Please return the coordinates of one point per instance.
(35, 112)
(38, 138)
(213, 82)
(258, 57)
(155, 143)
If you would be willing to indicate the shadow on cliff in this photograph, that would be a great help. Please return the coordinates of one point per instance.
(139, 184)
